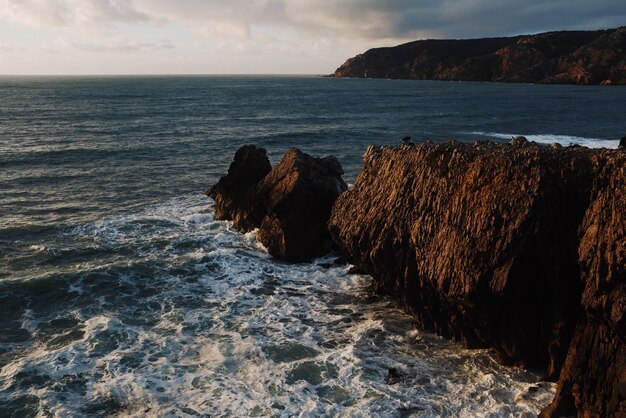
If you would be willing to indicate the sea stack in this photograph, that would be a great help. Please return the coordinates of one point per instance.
(290, 204)
(516, 246)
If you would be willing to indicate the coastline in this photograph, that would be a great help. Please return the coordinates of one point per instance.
(516, 247)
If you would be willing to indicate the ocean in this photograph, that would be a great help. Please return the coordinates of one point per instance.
(120, 295)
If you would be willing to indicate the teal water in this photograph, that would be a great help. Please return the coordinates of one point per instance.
(120, 295)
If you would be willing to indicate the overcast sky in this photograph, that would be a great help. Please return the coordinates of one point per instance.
(258, 36)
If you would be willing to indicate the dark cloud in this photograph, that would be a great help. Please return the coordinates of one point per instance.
(364, 19)
(462, 19)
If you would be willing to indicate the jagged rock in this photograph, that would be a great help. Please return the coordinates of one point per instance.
(567, 57)
(622, 143)
(298, 196)
(495, 246)
(593, 379)
(231, 192)
(519, 141)
(290, 205)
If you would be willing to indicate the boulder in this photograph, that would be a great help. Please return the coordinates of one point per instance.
(296, 198)
(622, 143)
(231, 192)
(290, 205)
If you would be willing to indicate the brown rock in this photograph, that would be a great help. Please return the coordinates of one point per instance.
(593, 379)
(298, 196)
(519, 141)
(290, 205)
(495, 246)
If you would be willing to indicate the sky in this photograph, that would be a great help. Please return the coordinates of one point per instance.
(258, 36)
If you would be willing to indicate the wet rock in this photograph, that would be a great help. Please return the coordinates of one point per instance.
(297, 197)
(231, 193)
(622, 143)
(393, 376)
(516, 248)
(290, 204)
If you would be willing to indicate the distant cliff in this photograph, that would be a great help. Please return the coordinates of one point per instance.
(517, 247)
(568, 57)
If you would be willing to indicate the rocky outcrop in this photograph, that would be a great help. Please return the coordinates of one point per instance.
(232, 192)
(290, 204)
(516, 247)
(568, 57)
(593, 379)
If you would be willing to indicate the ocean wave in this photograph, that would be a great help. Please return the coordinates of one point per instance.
(193, 318)
(552, 138)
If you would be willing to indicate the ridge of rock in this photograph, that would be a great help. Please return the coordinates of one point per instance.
(566, 57)
(517, 247)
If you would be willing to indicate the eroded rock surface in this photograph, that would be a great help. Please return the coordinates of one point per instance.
(518, 247)
(290, 204)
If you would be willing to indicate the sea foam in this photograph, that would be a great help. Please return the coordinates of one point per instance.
(564, 140)
(176, 314)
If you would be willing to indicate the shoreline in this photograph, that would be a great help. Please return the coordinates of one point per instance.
(517, 247)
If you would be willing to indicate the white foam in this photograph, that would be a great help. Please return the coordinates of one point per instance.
(227, 331)
(552, 138)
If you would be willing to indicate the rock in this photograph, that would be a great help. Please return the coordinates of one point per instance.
(622, 143)
(593, 379)
(297, 197)
(519, 141)
(393, 376)
(556, 146)
(290, 204)
(566, 57)
(231, 192)
(516, 248)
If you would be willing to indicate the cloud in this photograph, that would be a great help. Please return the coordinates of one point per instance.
(228, 30)
(118, 45)
(60, 13)
(8, 49)
(356, 19)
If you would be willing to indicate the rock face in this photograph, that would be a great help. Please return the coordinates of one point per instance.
(568, 57)
(516, 247)
(290, 204)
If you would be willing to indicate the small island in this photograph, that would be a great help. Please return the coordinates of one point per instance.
(565, 57)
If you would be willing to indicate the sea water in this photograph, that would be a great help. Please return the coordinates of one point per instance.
(121, 295)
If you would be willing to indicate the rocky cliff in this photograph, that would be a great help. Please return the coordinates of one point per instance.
(517, 247)
(289, 204)
(568, 57)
